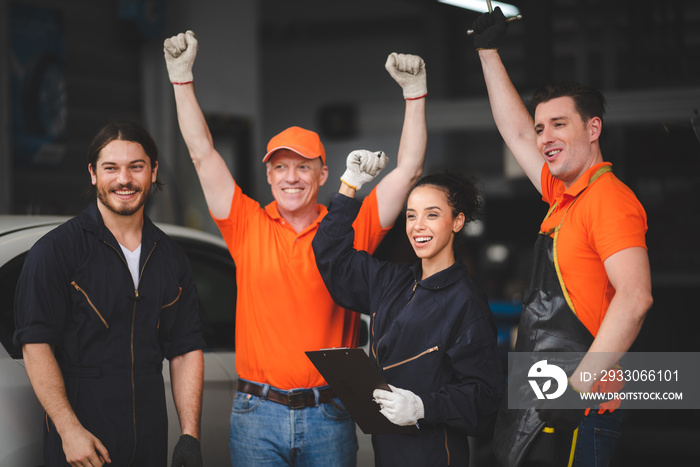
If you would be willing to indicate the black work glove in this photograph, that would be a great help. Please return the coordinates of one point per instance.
(564, 412)
(489, 29)
(187, 452)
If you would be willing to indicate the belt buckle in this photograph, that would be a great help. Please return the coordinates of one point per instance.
(296, 400)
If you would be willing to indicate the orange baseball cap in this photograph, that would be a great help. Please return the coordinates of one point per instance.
(306, 143)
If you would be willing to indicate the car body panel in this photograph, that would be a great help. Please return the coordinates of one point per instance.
(21, 440)
(219, 392)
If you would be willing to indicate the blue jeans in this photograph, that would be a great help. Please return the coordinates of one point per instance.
(597, 438)
(270, 434)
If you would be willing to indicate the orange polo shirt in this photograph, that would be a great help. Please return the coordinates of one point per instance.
(605, 219)
(283, 308)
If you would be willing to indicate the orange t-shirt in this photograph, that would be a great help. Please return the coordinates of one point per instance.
(606, 218)
(283, 308)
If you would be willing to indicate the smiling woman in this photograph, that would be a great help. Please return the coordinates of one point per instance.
(431, 228)
(439, 206)
(432, 334)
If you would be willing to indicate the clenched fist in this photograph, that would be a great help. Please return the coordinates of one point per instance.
(180, 52)
(409, 72)
(362, 167)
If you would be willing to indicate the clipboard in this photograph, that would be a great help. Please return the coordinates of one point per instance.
(354, 377)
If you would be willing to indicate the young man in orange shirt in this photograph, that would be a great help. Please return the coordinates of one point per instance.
(590, 258)
(283, 412)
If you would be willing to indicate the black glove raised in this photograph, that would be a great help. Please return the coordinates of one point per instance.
(187, 452)
(489, 29)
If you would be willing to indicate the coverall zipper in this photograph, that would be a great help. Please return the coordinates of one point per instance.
(133, 321)
(413, 292)
(430, 350)
(376, 345)
(447, 449)
(92, 305)
(179, 293)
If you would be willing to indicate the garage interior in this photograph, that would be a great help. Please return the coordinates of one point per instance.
(69, 67)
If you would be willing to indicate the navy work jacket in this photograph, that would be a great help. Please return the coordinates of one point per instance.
(76, 293)
(435, 337)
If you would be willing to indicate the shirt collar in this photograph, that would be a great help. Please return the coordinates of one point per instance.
(581, 183)
(274, 213)
(90, 219)
(443, 278)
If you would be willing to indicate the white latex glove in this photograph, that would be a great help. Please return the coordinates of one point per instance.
(180, 52)
(362, 167)
(409, 72)
(400, 406)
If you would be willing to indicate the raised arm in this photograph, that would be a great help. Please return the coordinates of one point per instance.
(392, 190)
(345, 270)
(509, 112)
(79, 445)
(214, 176)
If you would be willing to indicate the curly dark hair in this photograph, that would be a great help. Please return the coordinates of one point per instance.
(464, 194)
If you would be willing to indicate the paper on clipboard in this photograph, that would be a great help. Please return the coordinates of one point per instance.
(354, 377)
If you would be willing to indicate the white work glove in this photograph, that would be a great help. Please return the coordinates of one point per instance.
(180, 52)
(362, 167)
(409, 72)
(400, 406)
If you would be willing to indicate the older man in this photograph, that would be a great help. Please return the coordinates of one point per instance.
(283, 412)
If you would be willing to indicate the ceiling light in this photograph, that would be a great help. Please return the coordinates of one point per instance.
(482, 7)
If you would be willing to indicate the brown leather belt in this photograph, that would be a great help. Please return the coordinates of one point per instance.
(293, 399)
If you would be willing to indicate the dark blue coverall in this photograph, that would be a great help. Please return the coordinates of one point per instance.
(435, 337)
(76, 293)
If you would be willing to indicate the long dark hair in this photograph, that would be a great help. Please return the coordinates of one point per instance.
(123, 131)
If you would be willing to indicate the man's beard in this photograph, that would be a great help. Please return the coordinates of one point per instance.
(123, 209)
